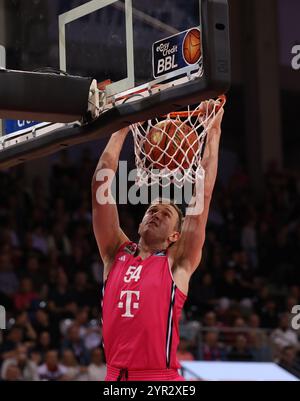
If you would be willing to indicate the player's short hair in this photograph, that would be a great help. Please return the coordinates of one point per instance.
(165, 201)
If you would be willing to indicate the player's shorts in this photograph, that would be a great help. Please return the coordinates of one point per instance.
(115, 374)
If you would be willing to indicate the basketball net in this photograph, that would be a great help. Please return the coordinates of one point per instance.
(189, 168)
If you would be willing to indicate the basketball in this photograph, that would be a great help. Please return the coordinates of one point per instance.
(192, 46)
(168, 146)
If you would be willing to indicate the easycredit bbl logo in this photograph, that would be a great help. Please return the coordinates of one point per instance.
(176, 52)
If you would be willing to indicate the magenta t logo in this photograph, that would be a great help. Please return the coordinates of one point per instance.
(129, 304)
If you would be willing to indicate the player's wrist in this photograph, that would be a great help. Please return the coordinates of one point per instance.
(214, 131)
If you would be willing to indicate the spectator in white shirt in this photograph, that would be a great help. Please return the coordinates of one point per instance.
(27, 368)
(284, 335)
(52, 370)
(74, 370)
(96, 369)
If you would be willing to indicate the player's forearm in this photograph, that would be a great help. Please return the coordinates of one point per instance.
(111, 154)
(210, 162)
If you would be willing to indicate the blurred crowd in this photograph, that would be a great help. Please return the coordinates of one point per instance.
(240, 299)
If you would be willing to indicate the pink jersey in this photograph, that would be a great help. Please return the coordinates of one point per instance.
(141, 312)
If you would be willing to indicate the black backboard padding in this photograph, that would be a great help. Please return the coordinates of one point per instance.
(43, 96)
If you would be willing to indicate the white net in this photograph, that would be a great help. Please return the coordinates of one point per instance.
(169, 150)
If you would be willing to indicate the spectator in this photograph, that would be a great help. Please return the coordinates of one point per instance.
(52, 370)
(203, 297)
(229, 286)
(59, 212)
(41, 321)
(15, 337)
(97, 268)
(269, 314)
(34, 271)
(239, 327)
(59, 241)
(27, 368)
(45, 321)
(258, 340)
(74, 370)
(245, 272)
(284, 336)
(210, 320)
(249, 242)
(43, 344)
(211, 349)
(291, 302)
(93, 337)
(254, 321)
(288, 360)
(24, 299)
(23, 321)
(74, 343)
(259, 346)
(81, 319)
(35, 357)
(240, 352)
(96, 370)
(28, 248)
(90, 332)
(189, 328)
(12, 373)
(9, 282)
(60, 296)
(78, 260)
(261, 297)
(39, 240)
(82, 291)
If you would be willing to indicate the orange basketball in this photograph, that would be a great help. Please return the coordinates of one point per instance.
(192, 46)
(166, 145)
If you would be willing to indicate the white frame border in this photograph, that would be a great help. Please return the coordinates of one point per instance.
(88, 8)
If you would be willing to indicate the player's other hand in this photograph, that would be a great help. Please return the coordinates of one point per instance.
(212, 119)
(217, 121)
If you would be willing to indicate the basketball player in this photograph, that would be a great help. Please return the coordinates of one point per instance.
(146, 284)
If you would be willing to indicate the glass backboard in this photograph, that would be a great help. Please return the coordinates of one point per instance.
(172, 52)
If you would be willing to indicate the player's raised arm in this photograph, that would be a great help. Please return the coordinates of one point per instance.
(188, 251)
(106, 225)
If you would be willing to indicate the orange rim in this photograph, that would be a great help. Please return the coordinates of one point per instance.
(174, 114)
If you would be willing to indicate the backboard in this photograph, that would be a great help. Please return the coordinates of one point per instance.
(130, 42)
(152, 56)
